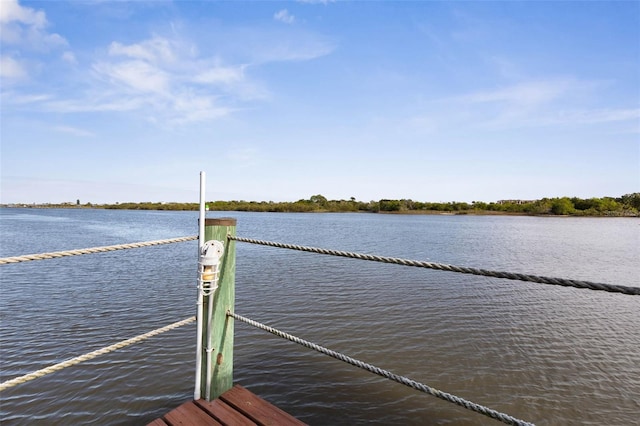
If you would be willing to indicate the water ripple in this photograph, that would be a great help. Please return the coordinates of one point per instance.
(546, 354)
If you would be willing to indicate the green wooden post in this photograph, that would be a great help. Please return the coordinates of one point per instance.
(219, 328)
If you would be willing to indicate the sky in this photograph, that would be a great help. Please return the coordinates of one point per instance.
(115, 101)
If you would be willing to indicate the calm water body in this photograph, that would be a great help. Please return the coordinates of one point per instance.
(546, 354)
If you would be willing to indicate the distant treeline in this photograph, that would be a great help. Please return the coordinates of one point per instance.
(626, 205)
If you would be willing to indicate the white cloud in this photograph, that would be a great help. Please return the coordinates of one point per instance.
(165, 79)
(23, 32)
(26, 27)
(420, 124)
(554, 102)
(73, 131)
(587, 116)
(137, 75)
(528, 93)
(12, 11)
(107, 101)
(188, 108)
(54, 40)
(244, 157)
(11, 68)
(325, 2)
(157, 76)
(221, 75)
(284, 16)
(299, 48)
(155, 50)
(20, 99)
(531, 103)
(69, 57)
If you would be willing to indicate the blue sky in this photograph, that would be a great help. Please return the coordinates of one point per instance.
(435, 101)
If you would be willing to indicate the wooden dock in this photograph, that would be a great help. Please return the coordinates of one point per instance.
(237, 406)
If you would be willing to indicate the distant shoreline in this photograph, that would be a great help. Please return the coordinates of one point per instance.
(625, 206)
(399, 213)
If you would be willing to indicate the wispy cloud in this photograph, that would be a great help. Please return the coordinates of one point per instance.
(171, 83)
(106, 102)
(25, 26)
(588, 116)
(11, 69)
(135, 76)
(163, 77)
(74, 131)
(26, 99)
(526, 93)
(189, 108)
(23, 33)
(286, 47)
(325, 2)
(244, 157)
(69, 57)
(221, 75)
(154, 50)
(536, 103)
(12, 11)
(552, 102)
(166, 78)
(17, 20)
(284, 16)
(609, 115)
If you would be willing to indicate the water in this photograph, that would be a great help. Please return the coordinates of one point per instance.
(546, 354)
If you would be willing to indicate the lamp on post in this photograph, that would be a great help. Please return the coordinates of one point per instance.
(209, 266)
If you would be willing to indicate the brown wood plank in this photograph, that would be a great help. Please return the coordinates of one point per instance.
(224, 413)
(157, 422)
(257, 409)
(189, 414)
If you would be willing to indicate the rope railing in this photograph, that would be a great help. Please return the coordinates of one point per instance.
(408, 382)
(612, 288)
(56, 254)
(505, 418)
(77, 360)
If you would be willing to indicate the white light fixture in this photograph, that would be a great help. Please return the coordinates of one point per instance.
(209, 266)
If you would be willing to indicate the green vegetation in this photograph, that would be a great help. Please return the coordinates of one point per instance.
(626, 205)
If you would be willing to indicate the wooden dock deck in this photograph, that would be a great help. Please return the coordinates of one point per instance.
(237, 406)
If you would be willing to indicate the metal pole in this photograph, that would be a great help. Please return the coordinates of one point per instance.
(209, 347)
(198, 380)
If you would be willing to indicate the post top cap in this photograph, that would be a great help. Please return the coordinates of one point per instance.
(220, 221)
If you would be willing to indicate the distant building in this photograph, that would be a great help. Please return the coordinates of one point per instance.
(515, 201)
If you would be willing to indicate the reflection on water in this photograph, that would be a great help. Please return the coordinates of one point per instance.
(546, 354)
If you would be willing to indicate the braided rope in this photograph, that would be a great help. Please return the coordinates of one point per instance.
(73, 361)
(42, 256)
(635, 291)
(505, 418)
